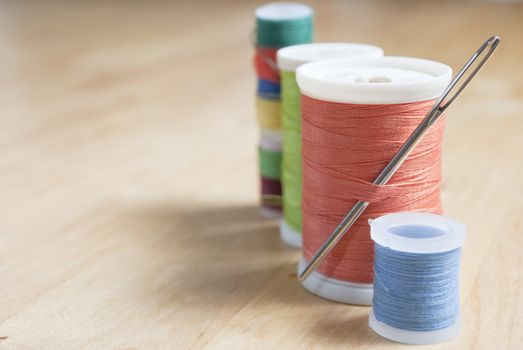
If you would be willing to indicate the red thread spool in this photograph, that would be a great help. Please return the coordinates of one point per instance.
(265, 64)
(356, 113)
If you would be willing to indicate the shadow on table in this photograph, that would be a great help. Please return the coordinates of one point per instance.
(215, 253)
(230, 258)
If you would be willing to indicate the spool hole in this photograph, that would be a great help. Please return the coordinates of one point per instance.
(379, 80)
(373, 80)
(416, 231)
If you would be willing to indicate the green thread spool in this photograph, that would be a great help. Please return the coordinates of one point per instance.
(291, 166)
(270, 162)
(282, 24)
(289, 59)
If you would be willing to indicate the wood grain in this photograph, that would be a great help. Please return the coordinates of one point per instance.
(128, 176)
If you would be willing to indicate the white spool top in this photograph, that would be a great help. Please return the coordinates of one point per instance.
(291, 57)
(373, 80)
(417, 232)
(280, 11)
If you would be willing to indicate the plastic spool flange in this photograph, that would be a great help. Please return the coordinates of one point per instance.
(289, 235)
(291, 57)
(270, 213)
(271, 137)
(337, 290)
(377, 80)
(433, 234)
(280, 11)
(366, 80)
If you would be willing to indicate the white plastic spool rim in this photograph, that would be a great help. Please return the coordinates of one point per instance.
(336, 290)
(414, 337)
(420, 233)
(373, 80)
(291, 57)
(280, 11)
(270, 146)
(271, 137)
(289, 235)
(270, 213)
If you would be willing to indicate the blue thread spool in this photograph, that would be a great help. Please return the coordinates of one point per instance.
(416, 277)
(268, 89)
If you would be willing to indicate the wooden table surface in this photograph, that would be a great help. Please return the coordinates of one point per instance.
(128, 177)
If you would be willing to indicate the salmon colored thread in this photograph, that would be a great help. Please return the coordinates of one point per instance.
(345, 146)
(264, 69)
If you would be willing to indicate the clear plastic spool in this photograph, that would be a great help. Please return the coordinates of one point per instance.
(334, 289)
(420, 233)
(290, 236)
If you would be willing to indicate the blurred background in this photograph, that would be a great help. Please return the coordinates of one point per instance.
(161, 86)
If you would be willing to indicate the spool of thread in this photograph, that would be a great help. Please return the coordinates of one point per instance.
(416, 277)
(269, 154)
(356, 113)
(268, 113)
(277, 25)
(280, 24)
(289, 59)
(268, 89)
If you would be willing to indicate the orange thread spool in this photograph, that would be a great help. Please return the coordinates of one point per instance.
(345, 146)
(356, 114)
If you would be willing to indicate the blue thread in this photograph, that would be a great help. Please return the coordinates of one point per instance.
(268, 89)
(416, 292)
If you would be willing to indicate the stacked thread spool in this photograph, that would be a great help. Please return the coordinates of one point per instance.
(277, 25)
(289, 59)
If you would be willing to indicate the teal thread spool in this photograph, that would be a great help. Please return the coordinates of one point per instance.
(289, 59)
(416, 277)
(282, 24)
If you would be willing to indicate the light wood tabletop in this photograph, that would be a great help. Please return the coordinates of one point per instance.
(129, 214)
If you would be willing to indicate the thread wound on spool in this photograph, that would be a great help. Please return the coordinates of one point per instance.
(268, 89)
(265, 64)
(271, 193)
(416, 292)
(283, 24)
(270, 163)
(291, 164)
(344, 147)
(277, 25)
(416, 281)
(268, 113)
